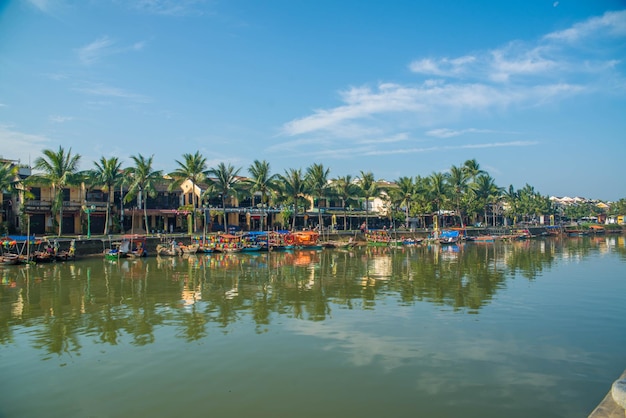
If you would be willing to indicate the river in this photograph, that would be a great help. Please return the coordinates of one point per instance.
(504, 329)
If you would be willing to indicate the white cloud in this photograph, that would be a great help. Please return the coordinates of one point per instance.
(449, 133)
(41, 5)
(170, 7)
(609, 24)
(114, 92)
(105, 46)
(443, 66)
(21, 146)
(60, 119)
(95, 50)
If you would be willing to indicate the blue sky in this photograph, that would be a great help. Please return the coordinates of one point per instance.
(534, 90)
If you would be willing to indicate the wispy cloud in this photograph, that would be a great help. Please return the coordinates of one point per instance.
(60, 119)
(610, 24)
(449, 133)
(41, 5)
(113, 92)
(170, 7)
(21, 146)
(442, 67)
(104, 46)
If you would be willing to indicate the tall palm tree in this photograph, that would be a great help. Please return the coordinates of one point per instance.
(8, 179)
(369, 188)
(487, 193)
(317, 183)
(294, 189)
(192, 168)
(346, 190)
(263, 182)
(107, 174)
(404, 194)
(143, 183)
(511, 197)
(472, 169)
(225, 181)
(458, 180)
(59, 170)
(438, 189)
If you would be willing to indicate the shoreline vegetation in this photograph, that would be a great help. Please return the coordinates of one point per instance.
(464, 195)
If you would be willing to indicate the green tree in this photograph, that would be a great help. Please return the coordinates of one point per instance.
(458, 179)
(59, 170)
(143, 183)
(192, 168)
(318, 186)
(438, 191)
(293, 187)
(369, 189)
(108, 175)
(347, 191)
(263, 182)
(487, 193)
(226, 182)
(472, 169)
(404, 194)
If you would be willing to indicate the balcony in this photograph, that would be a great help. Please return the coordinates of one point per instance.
(37, 206)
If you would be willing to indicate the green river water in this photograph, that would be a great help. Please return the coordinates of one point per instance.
(532, 328)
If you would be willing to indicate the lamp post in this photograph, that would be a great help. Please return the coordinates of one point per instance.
(88, 210)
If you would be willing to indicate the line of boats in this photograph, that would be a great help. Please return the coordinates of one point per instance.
(19, 250)
(24, 250)
(135, 246)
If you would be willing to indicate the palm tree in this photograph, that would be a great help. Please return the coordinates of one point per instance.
(262, 182)
(511, 197)
(143, 183)
(369, 188)
(347, 191)
(8, 178)
(294, 188)
(317, 184)
(404, 194)
(193, 169)
(108, 174)
(225, 181)
(458, 180)
(472, 169)
(59, 170)
(487, 192)
(438, 189)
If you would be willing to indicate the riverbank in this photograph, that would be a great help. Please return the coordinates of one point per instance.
(98, 244)
(608, 408)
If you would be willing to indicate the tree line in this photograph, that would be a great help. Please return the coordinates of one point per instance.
(466, 191)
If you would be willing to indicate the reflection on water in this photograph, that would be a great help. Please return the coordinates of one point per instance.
(106, 299)
(527, 328)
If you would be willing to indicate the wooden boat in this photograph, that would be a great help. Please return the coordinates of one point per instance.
(170, 249)
(381, 238)
(190, 248)
(576, 232)
(9, 259)
(228, 243)
(306, 240)
(254, 241)
(65, 255)
(131, 246)
(448, 236)
(480, 239)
